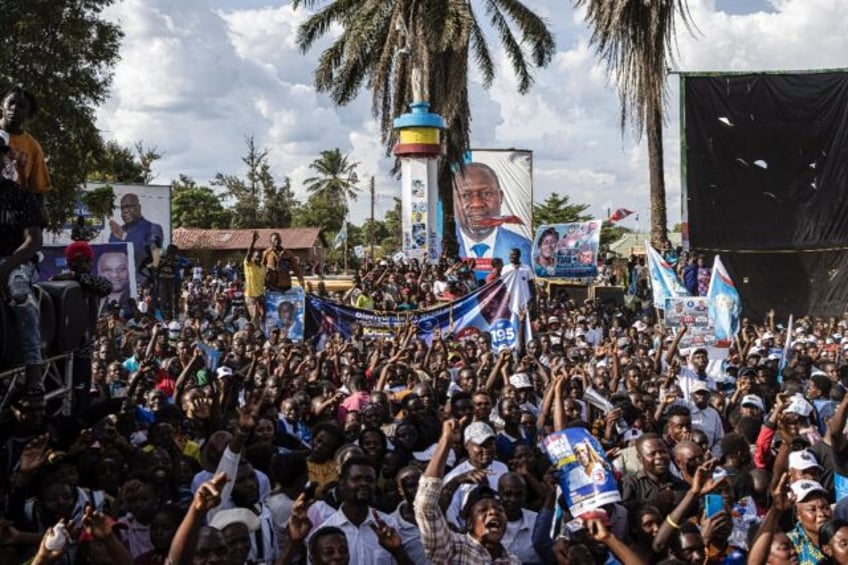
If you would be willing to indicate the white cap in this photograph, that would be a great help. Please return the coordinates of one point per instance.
(802, 460)
(804, 488)
(224, 371)
(640, 326)
(631, 434)
(768, 335)
(520, 380)
(753, 400)
(699, 386)
(798, 405)
(773, 357)
(231, 516)
(553, 320)
(174, 326)
(478, 433)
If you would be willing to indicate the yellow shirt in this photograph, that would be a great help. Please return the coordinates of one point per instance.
(323, 474)
(29, 159)
(254, 279)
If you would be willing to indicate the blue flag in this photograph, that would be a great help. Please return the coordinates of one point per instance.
(664, 281)
(725, 305)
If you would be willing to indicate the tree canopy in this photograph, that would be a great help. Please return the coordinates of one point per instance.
(63, 52)
(558, 209)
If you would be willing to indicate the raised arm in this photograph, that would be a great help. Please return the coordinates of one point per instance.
(184, 543)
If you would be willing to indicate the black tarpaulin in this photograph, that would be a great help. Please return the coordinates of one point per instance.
(766, 167)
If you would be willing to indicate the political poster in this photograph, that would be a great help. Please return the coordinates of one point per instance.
(284, 311)
(493, 205)
(586, 477)
(113, 261)
(492, 309)
(142, 217)
(567, 250)
(422, 235)
(695, 313)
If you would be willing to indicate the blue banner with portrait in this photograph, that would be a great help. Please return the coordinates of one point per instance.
(567, 250)
(585, 476)
(284, 312)
(493, 309)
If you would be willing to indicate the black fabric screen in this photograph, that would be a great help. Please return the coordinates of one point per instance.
(766, 161)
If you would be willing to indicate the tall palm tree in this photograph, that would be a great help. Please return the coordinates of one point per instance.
(636, 39)
(335, 180)
(383, 40)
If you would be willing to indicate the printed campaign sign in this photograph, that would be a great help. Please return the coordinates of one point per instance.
(586, 477)
(695, 313)
(567, 250)
(285, 311)
(492, 309)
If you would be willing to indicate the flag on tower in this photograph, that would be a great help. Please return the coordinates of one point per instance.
(619, 215)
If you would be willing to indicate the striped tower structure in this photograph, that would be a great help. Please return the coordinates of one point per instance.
(419, 148)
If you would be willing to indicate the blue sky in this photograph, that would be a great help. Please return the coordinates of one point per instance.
(196, 76)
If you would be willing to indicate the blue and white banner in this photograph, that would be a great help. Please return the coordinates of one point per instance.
(585, 476)
(664, 281)
(341, 237)
(567, 250)
(284, 311)
(725, 305)
(492, 309)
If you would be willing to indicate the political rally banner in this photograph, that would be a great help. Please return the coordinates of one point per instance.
(664, 281)
(695, 313)
(422, 234)
(725, 304)
(285, 311)
(113, 261)
(492, 309)
(142, 217)
(493, 196)
(585, 476)
(567, 250)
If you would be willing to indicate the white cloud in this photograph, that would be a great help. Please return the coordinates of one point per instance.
(196, 76)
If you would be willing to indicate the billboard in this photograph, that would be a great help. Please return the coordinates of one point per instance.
(493, 205)
(142, 217)
(567, 250)
(284, 311)
(695, 313)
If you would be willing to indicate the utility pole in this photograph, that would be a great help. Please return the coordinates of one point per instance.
(371, 227)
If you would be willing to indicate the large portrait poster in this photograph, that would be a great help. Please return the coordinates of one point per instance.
(586, 477)
(142, 218)
(493, 205)
(567, 250)
(695, 313)
(284, 311)
(113, 261)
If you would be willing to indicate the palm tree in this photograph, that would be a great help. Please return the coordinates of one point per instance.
(335, 180)
(636, 38)
(383, 40)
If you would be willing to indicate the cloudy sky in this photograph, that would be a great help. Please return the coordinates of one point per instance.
(197, 76)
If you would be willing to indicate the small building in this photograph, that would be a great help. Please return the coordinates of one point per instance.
(211, 246)
(634, 243)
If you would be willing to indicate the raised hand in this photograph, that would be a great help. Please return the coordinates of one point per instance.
(782, 498)
(702, 481)
(475, 477)
(298, 525)
(208, 496)
(387, 536)
(250, 411)
(97, 524)
(597, 530)
(34, 454)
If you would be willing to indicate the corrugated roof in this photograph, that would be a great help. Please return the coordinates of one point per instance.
(292, 238)
(635, 243)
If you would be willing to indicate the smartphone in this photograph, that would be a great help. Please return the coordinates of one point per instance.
(713, 504)
(309, 490)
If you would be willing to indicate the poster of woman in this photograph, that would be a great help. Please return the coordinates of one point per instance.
(567, 250)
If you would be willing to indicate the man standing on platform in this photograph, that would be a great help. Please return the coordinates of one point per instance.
(254, 282)
(279, 264)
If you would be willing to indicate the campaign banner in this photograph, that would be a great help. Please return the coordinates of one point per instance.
(492, 309)
(695, 313)
(725, 305)
(285, 312)
(142, 217)
(664, 281)
(113, 261)
(585, 476)
(567, 250)
(493, 205)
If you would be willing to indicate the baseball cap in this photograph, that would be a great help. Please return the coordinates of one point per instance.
(753, 400)
(804, 488)
(231, 516)
(798, 405)
(478, 433)
(520, 380)
(224, 371)
(700, 386)
(803, 459)
(553, 320)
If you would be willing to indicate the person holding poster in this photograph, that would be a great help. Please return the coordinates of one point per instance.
(480, 230)
(545, 262)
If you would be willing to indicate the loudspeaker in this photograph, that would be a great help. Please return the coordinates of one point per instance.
(71, 314)
(610, 294)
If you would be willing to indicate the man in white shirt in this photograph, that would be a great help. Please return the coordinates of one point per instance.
(518, 538)
(358, 520)
(479, 439)
(705, 417)
(407, 483)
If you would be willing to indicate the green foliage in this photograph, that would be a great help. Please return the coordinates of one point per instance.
(257, 200)
(118, 164)
(610, 233)
(194, 206)
(335, 179)
(320, 211)
(100, 201)
(558, 209)
(62, 52)
(393, 240)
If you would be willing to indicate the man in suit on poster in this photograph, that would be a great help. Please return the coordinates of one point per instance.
(478, 198)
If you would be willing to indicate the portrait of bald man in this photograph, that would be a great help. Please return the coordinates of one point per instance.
(143, 234)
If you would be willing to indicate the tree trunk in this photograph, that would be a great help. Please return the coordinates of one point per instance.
(653, 129)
